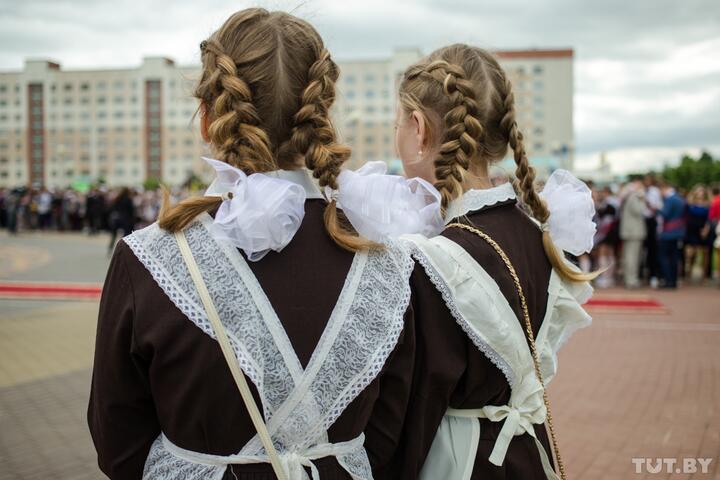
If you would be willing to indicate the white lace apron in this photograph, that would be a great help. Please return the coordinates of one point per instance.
(481, 310)
(299, 405)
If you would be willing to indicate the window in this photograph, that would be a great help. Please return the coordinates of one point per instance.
(84, 86)
(68, 87)
(350, 79)
(538, 69)
(370, 93)
(369, 78)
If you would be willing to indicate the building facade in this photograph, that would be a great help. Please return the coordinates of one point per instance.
(125, 126)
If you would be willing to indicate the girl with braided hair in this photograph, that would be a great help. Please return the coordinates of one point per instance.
(496, 298)
(262, 331)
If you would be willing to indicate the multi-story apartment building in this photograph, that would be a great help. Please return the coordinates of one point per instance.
(128, 125)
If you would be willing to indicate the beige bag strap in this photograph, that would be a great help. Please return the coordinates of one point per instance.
(230, 358)
(528, 331)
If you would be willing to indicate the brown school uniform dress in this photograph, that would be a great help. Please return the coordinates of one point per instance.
(450, 371)
(156, 371)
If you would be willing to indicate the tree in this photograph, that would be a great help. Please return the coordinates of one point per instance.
(692, 171)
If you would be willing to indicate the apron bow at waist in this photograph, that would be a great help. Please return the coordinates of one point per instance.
(517, 421)
(293, 462)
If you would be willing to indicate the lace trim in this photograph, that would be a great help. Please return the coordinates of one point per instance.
(368, 332)
(477, 199)
(262, 302)
(363, 332)
(257, 355)
(469, 330)
(402, 262)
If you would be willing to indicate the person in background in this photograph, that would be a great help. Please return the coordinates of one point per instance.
(714, 221)
(122, 216)
(654, 203)
(606, 238)
(672, 232)
(95, 210)
(632, 231)
(12, 202)
(697, 233)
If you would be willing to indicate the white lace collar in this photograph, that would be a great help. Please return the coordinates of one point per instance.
(302, 177)
(477, 199)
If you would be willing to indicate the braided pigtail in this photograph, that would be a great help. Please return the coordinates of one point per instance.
(463, 131)
(314, 140)
(525, 174)
(234, 132)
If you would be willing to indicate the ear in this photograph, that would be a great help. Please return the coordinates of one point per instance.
(421, 128)
(204, 123)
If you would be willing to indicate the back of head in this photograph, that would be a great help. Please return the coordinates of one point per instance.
(266, 89)
(468, 101)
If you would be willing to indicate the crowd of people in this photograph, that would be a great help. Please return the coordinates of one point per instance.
(649, 233)
(100, 209)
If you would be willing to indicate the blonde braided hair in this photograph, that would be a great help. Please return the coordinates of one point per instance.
(466, 87)
(235, 131)
(314, 139)
(525, 175)
(267, 87)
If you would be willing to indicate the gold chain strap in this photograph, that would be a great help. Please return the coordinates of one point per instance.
(528, 330)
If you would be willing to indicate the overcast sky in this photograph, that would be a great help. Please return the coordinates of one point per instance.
(647, 72)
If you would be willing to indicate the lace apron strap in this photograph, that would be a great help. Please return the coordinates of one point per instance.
(230, 358)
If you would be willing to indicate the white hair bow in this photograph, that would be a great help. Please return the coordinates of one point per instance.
(259, 213)
(572, 209)
(381, 206)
